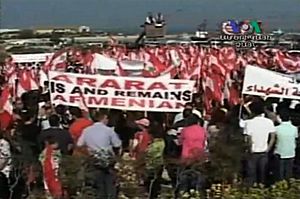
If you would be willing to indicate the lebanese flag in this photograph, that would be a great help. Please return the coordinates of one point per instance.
(119, 71)
(227, 56)
(286, 62)
(103, 62)
(157, 64)
(241, 62)
(57, 62)
(51, 179)
(216, 64)
(149, 70)
(88, 59)
(5, 99)
(212, 83)
(26, 82)
(231, 92)
(43, 77)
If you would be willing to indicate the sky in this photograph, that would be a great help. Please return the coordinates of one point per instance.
(127, 15)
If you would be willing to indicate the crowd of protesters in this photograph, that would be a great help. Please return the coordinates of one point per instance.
(172, 143)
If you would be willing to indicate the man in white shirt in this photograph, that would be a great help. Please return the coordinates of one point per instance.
(259, 131)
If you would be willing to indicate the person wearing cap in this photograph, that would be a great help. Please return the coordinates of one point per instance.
(141, 139)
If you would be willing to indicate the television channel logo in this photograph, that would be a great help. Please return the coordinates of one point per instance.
(246, 27)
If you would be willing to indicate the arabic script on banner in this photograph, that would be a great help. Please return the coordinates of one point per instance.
(266, 83)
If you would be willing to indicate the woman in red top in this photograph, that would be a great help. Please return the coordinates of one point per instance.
(141, 139)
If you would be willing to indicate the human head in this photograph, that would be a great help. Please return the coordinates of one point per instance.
(143, 123)
(50, 141)
(285, 115)
(27, 115)
(101, 116)
(54, 120)
(60, 109)
(156, 129)
(257, 107)
(48, 110)
(192, 120)
(187, 112)
(188, 105)
(19, 104)
(76, 112)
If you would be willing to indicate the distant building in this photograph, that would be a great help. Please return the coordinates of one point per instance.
(9, 33)
(84, 29)
(43, 31)
(62, 30)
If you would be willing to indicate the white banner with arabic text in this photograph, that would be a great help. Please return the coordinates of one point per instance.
(267, 83)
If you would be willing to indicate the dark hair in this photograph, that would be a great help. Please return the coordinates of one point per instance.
(284, 115)
(99, 115)
(75, 111)
(60, 109)
(26, 115)
(47, 107)
(218, 116)
(1, 135)
(50, 140)
(187, 112)
(192, 120)
(188, 104)
(54, 120)
(201, 122)
(257, 107)
(156, 129)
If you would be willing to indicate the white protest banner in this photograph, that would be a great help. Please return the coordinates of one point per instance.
(29, 58)
(125, 93)
(266, 83)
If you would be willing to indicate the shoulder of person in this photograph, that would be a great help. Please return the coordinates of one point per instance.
(89, 127)
(269, 121)
(45, 131)
(65, 131)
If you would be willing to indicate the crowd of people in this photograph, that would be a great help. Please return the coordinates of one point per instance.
(43, 135)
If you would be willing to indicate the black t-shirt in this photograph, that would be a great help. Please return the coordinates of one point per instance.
(29, 132)
(172, 150)
(61, 136)
(126, 132)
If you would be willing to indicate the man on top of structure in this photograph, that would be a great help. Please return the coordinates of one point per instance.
(160, 21)
(150, 20)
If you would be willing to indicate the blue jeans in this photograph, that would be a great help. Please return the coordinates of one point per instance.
(286, 168)
(257, 167)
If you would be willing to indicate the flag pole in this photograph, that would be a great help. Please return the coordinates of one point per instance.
(241, 107)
